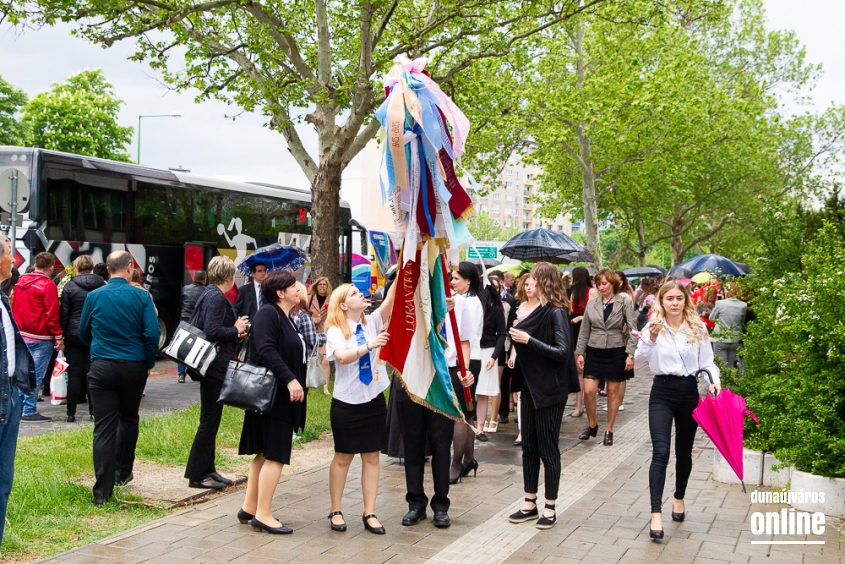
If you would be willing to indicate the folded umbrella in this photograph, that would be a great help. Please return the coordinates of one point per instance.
(722, 418)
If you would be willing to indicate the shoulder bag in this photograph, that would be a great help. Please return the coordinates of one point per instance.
(314, 375)
(248, 387)
(191, 347)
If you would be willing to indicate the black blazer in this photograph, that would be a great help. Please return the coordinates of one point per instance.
(548, 361)
(73, 299)
(216, 318)
(246, 302)
(276, 345)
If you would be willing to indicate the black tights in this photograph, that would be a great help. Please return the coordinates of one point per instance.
(672, 398)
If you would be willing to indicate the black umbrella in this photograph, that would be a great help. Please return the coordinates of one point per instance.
(681, 272)
(542, 245)
(711, 263)
(662, 270)
(488, 262)
(581, 256)
(640, 271)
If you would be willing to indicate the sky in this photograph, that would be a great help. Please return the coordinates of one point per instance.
(209, 143)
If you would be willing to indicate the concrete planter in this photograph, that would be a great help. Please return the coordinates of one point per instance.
(775, 478)
(833, 488)
(752, 462)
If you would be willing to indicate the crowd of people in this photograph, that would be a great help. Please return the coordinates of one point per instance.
(530, 341)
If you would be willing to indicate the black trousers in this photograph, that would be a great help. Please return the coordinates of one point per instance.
(116, 387)
(540, 435)
(420, 426)
(201, 459)
(79, 364)
(672, 398)
(505, 387)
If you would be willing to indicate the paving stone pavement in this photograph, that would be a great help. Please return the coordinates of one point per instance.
(604, 514)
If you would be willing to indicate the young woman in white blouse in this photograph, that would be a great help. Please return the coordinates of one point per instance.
(676, 346)
(358, 407)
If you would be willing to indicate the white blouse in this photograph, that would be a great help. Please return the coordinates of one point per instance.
(676, 353)
(476, 315)
(467, 330)
(348, 388)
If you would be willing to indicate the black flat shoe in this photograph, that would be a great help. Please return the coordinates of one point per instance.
(98, 501)
(413, 517)
(441, 520)
(221, 479)
(124, 481)
(339, 528)
(522, 516)
(588, 432)
(482, 437)
(517, 443)
(71, 418)
(261, 527)
(547, 522)
(244, 517)
(608, 439)
(208, 483)
(471, 466)
(374, 530)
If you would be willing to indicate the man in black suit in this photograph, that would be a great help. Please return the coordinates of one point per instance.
(249, 295)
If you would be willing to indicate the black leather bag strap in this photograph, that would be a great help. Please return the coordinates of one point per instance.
(195, 315)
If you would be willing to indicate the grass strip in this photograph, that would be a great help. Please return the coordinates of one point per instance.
(49, 512)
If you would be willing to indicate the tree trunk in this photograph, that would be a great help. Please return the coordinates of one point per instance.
(643, 249)
(325, 218)
(676, 225)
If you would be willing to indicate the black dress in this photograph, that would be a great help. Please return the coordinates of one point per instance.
(607, 364)
(277, 346)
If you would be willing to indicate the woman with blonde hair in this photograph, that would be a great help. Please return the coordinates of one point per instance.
(318, 305)
(676, 346)
(543, 341)
(358, 410)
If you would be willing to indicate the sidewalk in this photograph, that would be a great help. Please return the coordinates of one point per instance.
(603, 514)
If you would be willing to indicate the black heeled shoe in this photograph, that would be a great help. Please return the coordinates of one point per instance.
(522, 516)
(339, 528)
(654, 534)
(374, 530)
(471, 466)
(261, 527)
(456, 479)
(244, 517)
(679, 517)
(588, 432)
(547, 522)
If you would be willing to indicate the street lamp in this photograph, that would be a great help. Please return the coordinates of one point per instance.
(171, 114)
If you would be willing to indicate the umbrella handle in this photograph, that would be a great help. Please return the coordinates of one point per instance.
(709, 376)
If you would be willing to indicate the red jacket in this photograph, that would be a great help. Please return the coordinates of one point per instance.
(36, 307)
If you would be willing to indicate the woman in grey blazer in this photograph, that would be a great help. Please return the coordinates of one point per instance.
(606, 348)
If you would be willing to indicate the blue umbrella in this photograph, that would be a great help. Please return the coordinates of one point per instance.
(274, 257)
(712, 263)
(542, 245)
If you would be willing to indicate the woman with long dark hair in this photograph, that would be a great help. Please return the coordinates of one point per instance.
(676, 346)
(492, 343)
(580, 293)
(467, 284)
(543, 341)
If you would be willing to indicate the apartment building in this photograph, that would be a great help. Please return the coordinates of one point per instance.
(514, 202)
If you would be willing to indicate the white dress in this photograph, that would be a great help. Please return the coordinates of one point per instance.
(488, 380)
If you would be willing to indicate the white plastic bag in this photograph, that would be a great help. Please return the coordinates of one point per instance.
(58, 383)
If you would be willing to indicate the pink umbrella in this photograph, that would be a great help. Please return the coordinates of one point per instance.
(685, 281)
(723, 417)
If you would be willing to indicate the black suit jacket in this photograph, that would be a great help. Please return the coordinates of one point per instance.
(246, 303)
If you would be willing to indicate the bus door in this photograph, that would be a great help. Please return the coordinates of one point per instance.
(197, 257)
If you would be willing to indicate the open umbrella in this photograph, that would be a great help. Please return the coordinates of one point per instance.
(684, 281)
(723, 419)
(681, 272)
(662, 270)
(702, 278)
(703, 263)
(640, 271)
(542, 245)
(274, 257)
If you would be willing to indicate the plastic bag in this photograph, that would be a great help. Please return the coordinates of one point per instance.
(58, 383)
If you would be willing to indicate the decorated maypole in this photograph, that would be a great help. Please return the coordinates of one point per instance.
(424, 134)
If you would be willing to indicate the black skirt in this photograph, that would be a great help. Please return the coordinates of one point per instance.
(358, 427)
(264, 434)
(608, 364)
(474, 367)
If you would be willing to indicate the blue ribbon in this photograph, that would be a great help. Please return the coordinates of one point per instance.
(365, 371)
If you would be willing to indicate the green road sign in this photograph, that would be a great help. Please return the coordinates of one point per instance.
(483, 252)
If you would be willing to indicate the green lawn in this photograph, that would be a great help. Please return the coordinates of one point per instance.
(49, 513)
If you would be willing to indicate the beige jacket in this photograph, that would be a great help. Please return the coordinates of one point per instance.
(613, 334)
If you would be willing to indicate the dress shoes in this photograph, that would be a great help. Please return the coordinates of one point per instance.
(441, 520)
(588, 432)
(124, 481)
(413, 517)
(340, 528)
(655, 535)
(244, 517)
(608, 438)
(262, 528)
(71, 418)
(374, 530)
(221, 479)
(98, 501)
(208, 483)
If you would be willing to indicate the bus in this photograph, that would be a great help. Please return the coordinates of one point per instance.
(172, 223)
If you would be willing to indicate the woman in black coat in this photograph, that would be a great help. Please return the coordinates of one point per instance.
(77, 353)
(269, 436)
(216, 317)
(544, 347)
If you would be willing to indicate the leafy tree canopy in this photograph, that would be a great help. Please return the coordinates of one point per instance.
(12, 131)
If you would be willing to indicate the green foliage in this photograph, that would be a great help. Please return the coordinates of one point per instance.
(795, 349)
(485, 228)
(12, 131)
(79, 116)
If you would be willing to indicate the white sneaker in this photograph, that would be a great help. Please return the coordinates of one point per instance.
(604, 408)
(621, 408)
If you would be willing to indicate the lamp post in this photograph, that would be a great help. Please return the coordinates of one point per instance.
(171, 114)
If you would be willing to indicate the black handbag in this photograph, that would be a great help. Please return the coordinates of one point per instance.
(248, 387)
(191, 347)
